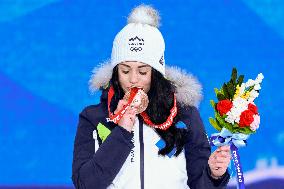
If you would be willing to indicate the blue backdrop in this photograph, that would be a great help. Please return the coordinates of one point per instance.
(49, 47)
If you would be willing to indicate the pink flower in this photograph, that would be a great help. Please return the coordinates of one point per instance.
(255, 124)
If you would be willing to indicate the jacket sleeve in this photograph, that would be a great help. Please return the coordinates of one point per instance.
(92, 170)
(197, 152)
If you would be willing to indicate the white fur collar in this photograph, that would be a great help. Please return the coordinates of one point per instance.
(189, 90)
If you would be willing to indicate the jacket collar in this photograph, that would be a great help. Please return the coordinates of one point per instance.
(189, 89)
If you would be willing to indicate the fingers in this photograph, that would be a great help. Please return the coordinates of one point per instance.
(223, 151)
(223, 154)
(222, 165)
(128, 120)
(120, 105)
(223, 148)
(219, 160)
(131, 112)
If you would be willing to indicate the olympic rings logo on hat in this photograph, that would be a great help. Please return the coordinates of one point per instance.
(136, 43)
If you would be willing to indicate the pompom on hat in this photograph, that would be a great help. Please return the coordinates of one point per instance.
(140, 40)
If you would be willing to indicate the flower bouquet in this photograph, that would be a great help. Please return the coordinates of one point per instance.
(236, 116)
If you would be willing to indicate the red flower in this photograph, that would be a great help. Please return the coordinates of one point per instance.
(224, 106)
(253, 108)
(246, 118)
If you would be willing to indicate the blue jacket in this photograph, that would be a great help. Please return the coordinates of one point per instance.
(97, 170)
(108, 156)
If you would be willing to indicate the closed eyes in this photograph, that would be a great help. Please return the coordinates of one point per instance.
(140, 72)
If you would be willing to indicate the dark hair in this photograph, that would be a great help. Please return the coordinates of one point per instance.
(161, 100)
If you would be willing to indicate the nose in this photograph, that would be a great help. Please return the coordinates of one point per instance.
(133, 78)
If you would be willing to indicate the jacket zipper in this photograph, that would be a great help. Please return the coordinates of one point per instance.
(141, 142)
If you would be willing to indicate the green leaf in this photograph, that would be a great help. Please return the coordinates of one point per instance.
(220, 96)
(234, 75)
(231, 89)
(216, 91)
(226, 92)
(214, 124)
(223, 123)
(219, 118)
(245, 130)
(213, 104)
(235, 125)
(240, 80)
(218, 123)
(250, 88)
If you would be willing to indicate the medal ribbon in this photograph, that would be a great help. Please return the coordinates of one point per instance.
(116, 117)
(167, 123)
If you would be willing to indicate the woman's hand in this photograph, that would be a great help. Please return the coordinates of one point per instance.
(128, 119)
(219, 161)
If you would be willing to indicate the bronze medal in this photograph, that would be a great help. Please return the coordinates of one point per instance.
(140, 100)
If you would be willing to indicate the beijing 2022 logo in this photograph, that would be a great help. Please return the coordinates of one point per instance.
(136, 44)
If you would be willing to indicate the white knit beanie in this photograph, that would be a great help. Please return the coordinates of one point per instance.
(140, 40)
